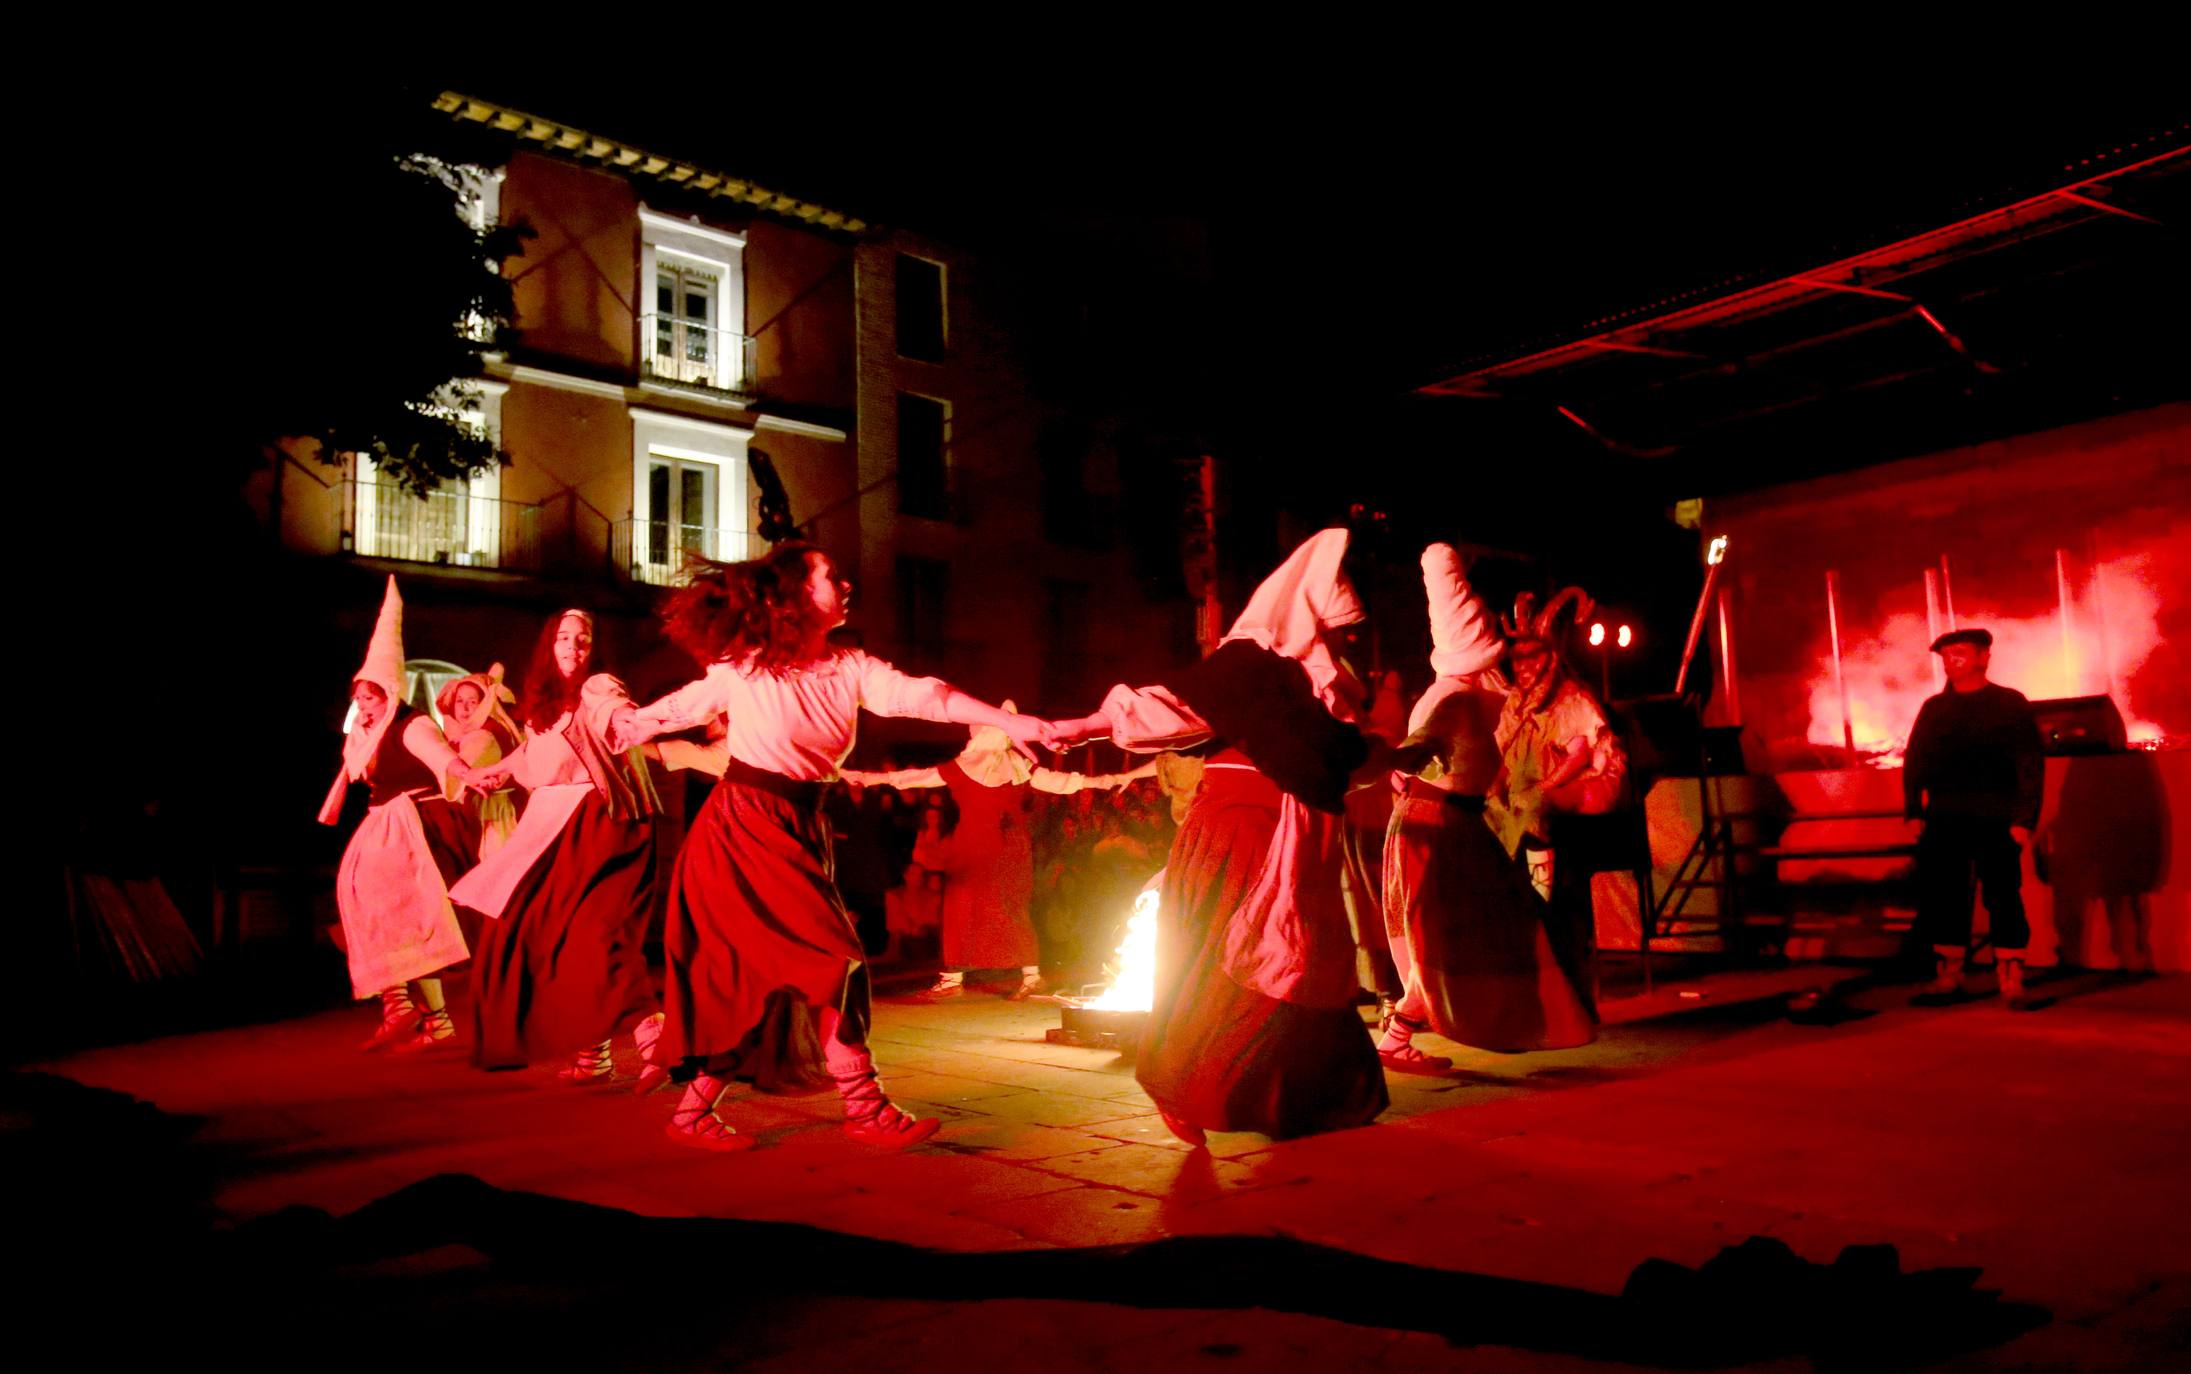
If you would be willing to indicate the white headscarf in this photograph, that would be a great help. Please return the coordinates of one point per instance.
(1304, 597)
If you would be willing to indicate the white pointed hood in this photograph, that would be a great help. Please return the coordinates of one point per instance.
(1463, 639)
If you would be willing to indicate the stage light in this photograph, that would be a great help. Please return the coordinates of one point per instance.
(1626, 637)
(1597, 633)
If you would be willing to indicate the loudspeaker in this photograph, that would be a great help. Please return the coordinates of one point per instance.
(2081, 725)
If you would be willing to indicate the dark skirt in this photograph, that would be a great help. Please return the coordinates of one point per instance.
(1217, 1054)
(758, 938)
(452, 836)
(565, 966)
(1499, 968)
(453, 833)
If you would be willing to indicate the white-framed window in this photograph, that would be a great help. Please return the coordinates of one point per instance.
(688, 495)
(692, 327)
(462, 524)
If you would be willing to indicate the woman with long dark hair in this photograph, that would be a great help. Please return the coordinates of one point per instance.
(758, 935)
(562, 969)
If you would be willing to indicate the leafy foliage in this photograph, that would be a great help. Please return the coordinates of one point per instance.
(340, 264)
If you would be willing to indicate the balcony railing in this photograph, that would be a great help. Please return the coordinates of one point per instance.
(682, 353)
(653, 551)
(456, 528)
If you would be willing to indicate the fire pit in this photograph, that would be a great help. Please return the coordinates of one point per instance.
(1113, 1018)
(1098, 1028)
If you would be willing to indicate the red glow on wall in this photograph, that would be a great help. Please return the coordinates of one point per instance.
(2104, 626)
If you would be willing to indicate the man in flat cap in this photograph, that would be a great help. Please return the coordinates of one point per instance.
(1972, 780)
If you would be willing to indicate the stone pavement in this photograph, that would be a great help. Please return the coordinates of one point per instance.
(2046, 1151)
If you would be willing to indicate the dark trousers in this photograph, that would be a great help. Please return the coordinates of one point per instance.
(1952, 853)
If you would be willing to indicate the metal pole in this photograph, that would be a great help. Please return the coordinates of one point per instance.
(1833, 632)
(1947, 593)
(2099, 616)
(1713, 558)
(1727, 656)
(2061, 602)
(1932, 627)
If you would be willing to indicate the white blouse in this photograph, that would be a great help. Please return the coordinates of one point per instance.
(799, 722)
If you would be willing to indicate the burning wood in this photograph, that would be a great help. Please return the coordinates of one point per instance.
(1113, 1018)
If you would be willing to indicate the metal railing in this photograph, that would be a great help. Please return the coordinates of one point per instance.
(653, 551)
(454, 528)
(682, 353)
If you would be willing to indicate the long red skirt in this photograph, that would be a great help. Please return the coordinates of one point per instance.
(1216, 1054)
(758, 938)
(1497, 967)
(565, 966)
(990, 886)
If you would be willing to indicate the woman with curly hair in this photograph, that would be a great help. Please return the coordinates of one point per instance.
(563, 968)
(758, 936)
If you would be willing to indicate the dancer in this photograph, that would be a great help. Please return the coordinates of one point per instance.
(476, 722)
(1558, 753)
(1253, 1026)
(758, 937)
(1483, 962)
(563, 968)
(392, 888)
(1369, 816)
(989, 873)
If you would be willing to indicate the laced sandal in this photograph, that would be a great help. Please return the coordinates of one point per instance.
(1405, 1058)
(1396, 1048)
(942, 990)
(1185, 1130)
(892, 1128)
(699, 1128)
(648, 1034)
(591, 1066)
(873, 1119)
(435, 1029)
(1029, 986)
(399, 1020)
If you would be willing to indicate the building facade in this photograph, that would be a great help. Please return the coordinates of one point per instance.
(671, 322)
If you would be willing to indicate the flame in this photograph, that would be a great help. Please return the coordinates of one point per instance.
(1134, 989)
(2113, 628)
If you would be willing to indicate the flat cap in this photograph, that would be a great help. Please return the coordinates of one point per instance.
(1982, 638)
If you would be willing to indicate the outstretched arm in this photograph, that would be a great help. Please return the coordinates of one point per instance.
(904, 779)
(1063, 784)
(431, 748)
(888, 692)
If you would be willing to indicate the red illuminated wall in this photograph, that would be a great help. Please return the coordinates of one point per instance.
(2099, 510)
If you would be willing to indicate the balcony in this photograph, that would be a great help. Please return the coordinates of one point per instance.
(653, 551)
(455, 528)
(696, 357)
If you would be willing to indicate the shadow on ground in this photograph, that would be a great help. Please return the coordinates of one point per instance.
(113, 1197)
